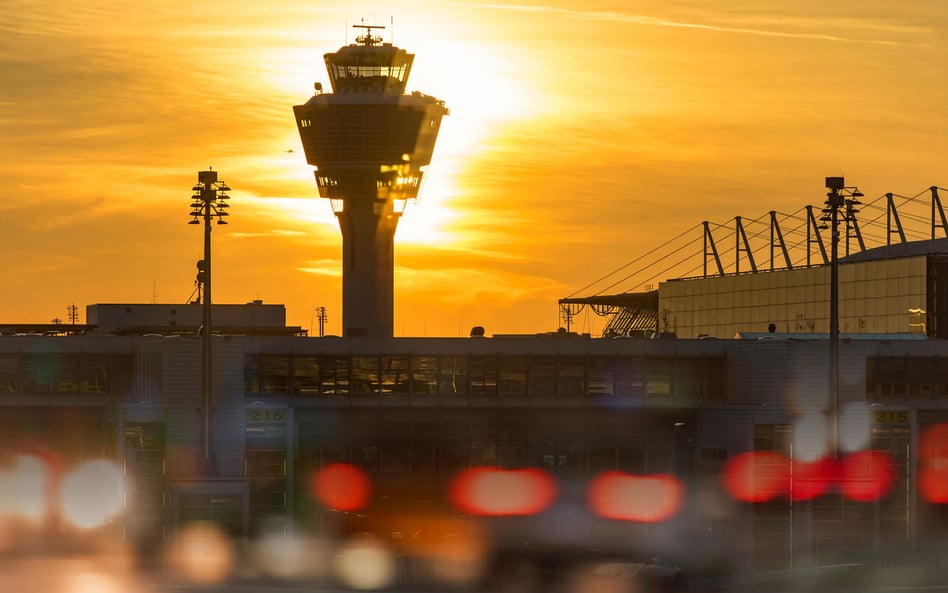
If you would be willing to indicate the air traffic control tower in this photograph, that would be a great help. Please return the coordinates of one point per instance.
(369, 142)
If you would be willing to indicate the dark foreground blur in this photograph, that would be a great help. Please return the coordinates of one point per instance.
(202, 558)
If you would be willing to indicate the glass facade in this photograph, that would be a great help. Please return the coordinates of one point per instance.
(874, 297)
(905, 377)
(44, 373)
(491, 376)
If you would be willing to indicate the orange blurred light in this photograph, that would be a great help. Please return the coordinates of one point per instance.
(757, 476)
(627, 497)
(499, 492)
(341, 486)
(866, 476)
(201, 553)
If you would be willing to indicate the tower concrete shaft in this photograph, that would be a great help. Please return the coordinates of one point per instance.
(370, 143)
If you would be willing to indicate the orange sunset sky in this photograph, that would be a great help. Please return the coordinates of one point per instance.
(581, 135)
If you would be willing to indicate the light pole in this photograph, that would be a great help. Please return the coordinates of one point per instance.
(839, 196)
(209, 200)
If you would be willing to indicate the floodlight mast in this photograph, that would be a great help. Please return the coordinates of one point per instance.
(370, 143)
(839, 197)
(208, 201)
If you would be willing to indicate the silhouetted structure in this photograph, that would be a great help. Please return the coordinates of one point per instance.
(369, 142)
(209, 200)
(893, 286)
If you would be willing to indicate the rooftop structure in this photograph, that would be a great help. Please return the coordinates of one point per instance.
(370, 143)
(892, 275)
(253, 318)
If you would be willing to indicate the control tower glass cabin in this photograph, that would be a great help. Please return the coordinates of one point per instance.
(369, 142)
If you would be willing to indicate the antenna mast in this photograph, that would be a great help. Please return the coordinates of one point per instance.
(73, 313)
(322, 317)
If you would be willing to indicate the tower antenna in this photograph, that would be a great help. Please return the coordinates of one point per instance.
(368, 38)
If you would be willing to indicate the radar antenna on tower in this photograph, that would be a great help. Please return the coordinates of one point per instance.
(367, 38)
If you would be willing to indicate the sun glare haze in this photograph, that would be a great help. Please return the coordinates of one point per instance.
(579, 136)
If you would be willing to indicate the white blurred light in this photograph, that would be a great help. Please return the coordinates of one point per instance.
(855, 426)
(810, 437)
(92, 493)
(365, 564)
(25, 488)
(292, 557)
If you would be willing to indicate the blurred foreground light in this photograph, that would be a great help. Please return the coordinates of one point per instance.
(201, 553)
(499, 492)
(866, 476)
(446, 557)
(459, 564)
(863, 476)
(92, 493)
(627, 497)
(341, 486)
(810, 436)
(812, 479)
(855, 426)
(757, 476)
(933, 463)
(94, 582)
(24, 488)
(292, 557)
(67, 573)
(365, 564)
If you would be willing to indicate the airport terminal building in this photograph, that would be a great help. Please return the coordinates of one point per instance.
(413, 412)
(900, 288)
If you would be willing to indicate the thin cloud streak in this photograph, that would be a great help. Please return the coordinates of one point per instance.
(330, 268)
(271, 233)
(645, 20)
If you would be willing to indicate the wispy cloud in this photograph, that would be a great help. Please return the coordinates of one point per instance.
(761, 27)
(270, 233)
(324, 267)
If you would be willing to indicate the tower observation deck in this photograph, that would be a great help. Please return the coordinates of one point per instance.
(370, 143)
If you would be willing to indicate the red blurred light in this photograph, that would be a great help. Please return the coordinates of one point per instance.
(933, 463)
(341, 486)
(757, 476)
(933, 443)
(812, 479)
(863, 476)
(933, 483)
(498, 492)
(866, 476)
(627, 497)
